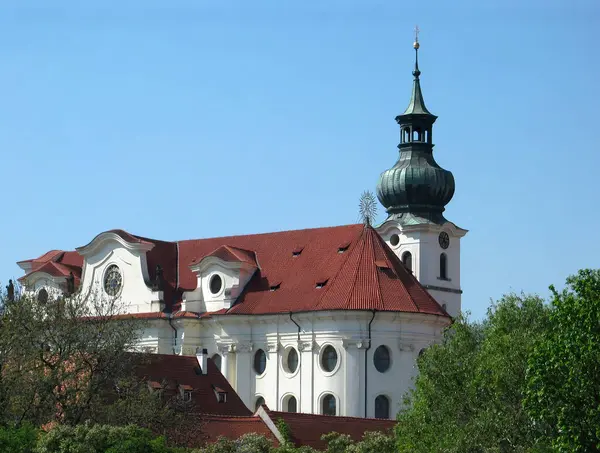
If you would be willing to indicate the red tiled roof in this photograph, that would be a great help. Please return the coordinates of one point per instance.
(213, 427)
(307, 429)
(356, 270)
(178, 370)
(57, 263)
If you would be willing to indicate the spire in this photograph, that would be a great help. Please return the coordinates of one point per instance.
(416, 189)
(416, 104)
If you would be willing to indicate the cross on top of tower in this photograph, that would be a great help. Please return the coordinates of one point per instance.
(416, 43)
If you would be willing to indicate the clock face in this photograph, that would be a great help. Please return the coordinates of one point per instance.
(444, 240)
(113, 280)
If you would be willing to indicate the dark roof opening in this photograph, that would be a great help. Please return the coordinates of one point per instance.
(343, 248)
(297, 251)
(321, 284)
(275, 287)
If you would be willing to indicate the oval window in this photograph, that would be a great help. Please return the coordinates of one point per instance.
(260, 361)
(292, 361)
(381, 359)
(216, 283)
(394, 240)
(329, 359)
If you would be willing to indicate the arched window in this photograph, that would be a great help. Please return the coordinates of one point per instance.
(382, 407)
(292, 404)
(426, 136)
(417, 135)
(259, 402)
(407, 260)
(443, 266)
(42, 296)
(328, 405)
(406, 135)
(217, 359)
(260, 361)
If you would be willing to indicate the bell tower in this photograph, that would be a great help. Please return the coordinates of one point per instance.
(414, 193)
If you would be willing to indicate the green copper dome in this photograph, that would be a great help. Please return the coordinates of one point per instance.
(416, 189)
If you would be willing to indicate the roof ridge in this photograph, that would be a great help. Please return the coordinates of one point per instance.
(378, 286)
(270, 233)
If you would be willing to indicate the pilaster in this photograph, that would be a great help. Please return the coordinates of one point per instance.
(354, 385)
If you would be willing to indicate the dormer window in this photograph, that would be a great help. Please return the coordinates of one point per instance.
(297, 251)
(274, 287)
(321, 284)
(215, 284)
(220, 394)
(343, 248)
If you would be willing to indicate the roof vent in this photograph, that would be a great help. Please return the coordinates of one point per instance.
(321, 284)
(275, 287)
(297, 251)
(342, 248)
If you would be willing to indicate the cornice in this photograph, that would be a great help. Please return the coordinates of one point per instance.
(360, 343)
(103, 238)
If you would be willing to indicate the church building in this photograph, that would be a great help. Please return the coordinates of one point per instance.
(324, 321)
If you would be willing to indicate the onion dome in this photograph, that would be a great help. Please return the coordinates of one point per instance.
(416, 189)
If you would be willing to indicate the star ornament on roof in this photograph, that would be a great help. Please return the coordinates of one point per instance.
(367, 207)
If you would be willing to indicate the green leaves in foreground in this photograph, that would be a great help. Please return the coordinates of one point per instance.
(468, 396)
(563, 395)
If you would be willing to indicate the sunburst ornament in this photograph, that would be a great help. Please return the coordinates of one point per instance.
(367, 207)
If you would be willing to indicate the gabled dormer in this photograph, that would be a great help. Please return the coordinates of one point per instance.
(116, 265)
(221, 277)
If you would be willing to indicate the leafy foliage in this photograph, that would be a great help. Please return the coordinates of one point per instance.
(18, 440)
(469, 392)
(563, 392)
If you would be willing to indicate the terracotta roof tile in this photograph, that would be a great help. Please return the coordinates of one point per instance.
(183, 371)
(365, 275)
(213, 427)
(307, 429)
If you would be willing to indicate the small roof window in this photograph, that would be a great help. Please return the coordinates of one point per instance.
(297, 251)
(321, 284)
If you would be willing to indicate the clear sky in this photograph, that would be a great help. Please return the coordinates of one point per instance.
(190, 119)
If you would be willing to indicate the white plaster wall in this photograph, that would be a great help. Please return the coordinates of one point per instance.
(135, 296)
(404, 334)
(425, 249)
(41, 280)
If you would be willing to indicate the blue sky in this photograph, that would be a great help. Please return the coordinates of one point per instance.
(193, 119)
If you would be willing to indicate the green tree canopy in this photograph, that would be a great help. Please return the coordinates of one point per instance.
(469, 392)
(563, 393)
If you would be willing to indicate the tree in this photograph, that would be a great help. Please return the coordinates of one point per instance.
(70, 360)
(563, 378)
(468, 394)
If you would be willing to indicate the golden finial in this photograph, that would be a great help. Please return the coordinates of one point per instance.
(416, 44)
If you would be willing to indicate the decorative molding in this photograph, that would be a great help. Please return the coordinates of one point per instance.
(273, 347)
(446, 290)
(188, 350)
(304, 346)
(224, 349)
(242, 347)
(405, 346)
(360, 343)
(107, 236)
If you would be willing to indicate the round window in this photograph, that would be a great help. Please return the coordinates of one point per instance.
(381, 359)
(292, 361)
(329, 359)
(113, 280)
(394, 240)
(216, 283)
(260, 361)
